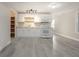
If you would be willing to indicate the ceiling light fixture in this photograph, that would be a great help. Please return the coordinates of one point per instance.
(53, 5)
(31, 11)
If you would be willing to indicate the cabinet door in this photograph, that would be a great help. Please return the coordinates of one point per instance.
(36, 32)
(20, 32)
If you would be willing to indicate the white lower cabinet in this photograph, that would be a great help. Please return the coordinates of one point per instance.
(26, 32)
(33, 32)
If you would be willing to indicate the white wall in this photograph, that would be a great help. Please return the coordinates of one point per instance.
(4, 27)
(65, 23)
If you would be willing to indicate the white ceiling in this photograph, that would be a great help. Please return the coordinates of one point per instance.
(41, 6)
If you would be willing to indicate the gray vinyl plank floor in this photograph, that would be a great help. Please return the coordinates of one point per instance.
(64, 47)
(29, 47)
(37, 47)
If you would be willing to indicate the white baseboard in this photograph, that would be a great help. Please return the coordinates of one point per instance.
(5, 45)
(73, 38)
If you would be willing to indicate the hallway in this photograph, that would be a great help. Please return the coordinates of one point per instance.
(37, 47)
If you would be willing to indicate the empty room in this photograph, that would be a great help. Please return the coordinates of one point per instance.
(39, 29)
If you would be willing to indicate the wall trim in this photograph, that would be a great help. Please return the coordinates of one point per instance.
(8, 43)
(73, 38)
(8, 50)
